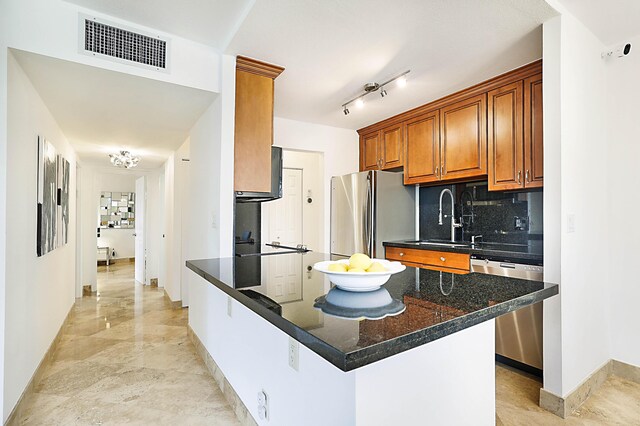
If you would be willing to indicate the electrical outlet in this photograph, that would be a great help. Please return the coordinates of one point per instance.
(229, 306)
(263, 405)
(294, 347)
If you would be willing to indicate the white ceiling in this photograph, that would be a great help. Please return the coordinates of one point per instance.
(613, 22)
(211, 22)
(102, 111)
(330, 48)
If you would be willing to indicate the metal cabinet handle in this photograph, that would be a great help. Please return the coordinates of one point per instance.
(442, 259)
(526, 176)
(519, 176)
(437, 170)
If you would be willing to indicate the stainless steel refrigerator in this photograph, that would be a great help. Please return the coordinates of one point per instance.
(368, 208)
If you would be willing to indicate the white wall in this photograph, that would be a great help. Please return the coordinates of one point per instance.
(4, 24)
(552, 333)
(191, 64)
(209, 216)
(339, 148)
(39, 290)
(176, 187)
(581, 176)
(154, 220)
(623, 147)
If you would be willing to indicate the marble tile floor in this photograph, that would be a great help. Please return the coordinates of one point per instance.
(125, 358)
(617, 402)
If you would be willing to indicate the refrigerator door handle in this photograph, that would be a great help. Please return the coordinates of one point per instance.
(368, 219)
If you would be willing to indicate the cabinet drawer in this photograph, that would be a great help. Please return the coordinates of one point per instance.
(429, 259)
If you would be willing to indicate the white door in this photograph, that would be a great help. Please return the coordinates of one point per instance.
(285, 214)
(141, 195)
(285, 226)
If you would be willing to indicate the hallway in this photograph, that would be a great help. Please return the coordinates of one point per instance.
(125, 358)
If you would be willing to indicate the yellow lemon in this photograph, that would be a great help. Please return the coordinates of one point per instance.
(337, 267)
(376, 267)
(356, 270)
(359, 260)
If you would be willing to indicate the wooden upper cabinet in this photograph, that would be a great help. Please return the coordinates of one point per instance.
(492, 130)
(382, 149)
(515, 135)
(253, 124)
(505, 137)
(464, 139)
(391, 147)
(533, 141)
(422, 149)
(369, 152)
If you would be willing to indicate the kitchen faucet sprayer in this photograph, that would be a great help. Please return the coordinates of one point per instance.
(454, 225)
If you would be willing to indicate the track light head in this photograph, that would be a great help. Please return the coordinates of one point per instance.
(346, 111)
(383, 92)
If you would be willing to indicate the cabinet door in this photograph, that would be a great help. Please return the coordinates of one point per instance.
(253, 132)
(391, 147)
(369, 152)
(533, 149)
(463, 136)
(422, 149)
(505, 137)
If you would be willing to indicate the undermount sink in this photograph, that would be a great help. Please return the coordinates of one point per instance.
(441, 243)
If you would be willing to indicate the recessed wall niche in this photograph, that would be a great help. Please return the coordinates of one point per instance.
(117, 210)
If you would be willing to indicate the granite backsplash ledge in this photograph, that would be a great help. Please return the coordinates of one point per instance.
(502, 217)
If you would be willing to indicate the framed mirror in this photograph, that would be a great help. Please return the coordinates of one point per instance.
(117, 210)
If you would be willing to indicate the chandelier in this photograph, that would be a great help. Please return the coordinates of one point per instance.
(124, 159)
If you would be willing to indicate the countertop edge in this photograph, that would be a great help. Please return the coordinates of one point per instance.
(413, 340)
(356, 359)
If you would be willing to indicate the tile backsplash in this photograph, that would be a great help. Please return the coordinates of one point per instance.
(505, 217)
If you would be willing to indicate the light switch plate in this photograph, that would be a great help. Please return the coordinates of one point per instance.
(293, 353)
(571, 223)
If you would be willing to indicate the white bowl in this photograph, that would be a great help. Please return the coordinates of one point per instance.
(359, 281)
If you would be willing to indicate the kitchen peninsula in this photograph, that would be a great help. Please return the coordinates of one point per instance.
(431, 364)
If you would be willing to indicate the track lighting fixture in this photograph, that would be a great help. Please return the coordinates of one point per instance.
(401, 80)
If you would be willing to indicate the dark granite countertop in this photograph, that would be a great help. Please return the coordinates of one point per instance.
(437, 304)
(531, 253)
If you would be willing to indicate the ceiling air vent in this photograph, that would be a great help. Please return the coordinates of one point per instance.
(124, 45)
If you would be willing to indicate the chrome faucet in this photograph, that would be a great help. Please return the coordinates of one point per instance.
(454, 225)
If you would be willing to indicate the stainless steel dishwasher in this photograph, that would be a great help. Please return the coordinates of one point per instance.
(518, 333)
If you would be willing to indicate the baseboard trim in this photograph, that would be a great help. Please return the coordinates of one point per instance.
(563, 407)
(119, 260)
(241, 411)
(626, 371)
(16, 413)
(175, 304)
